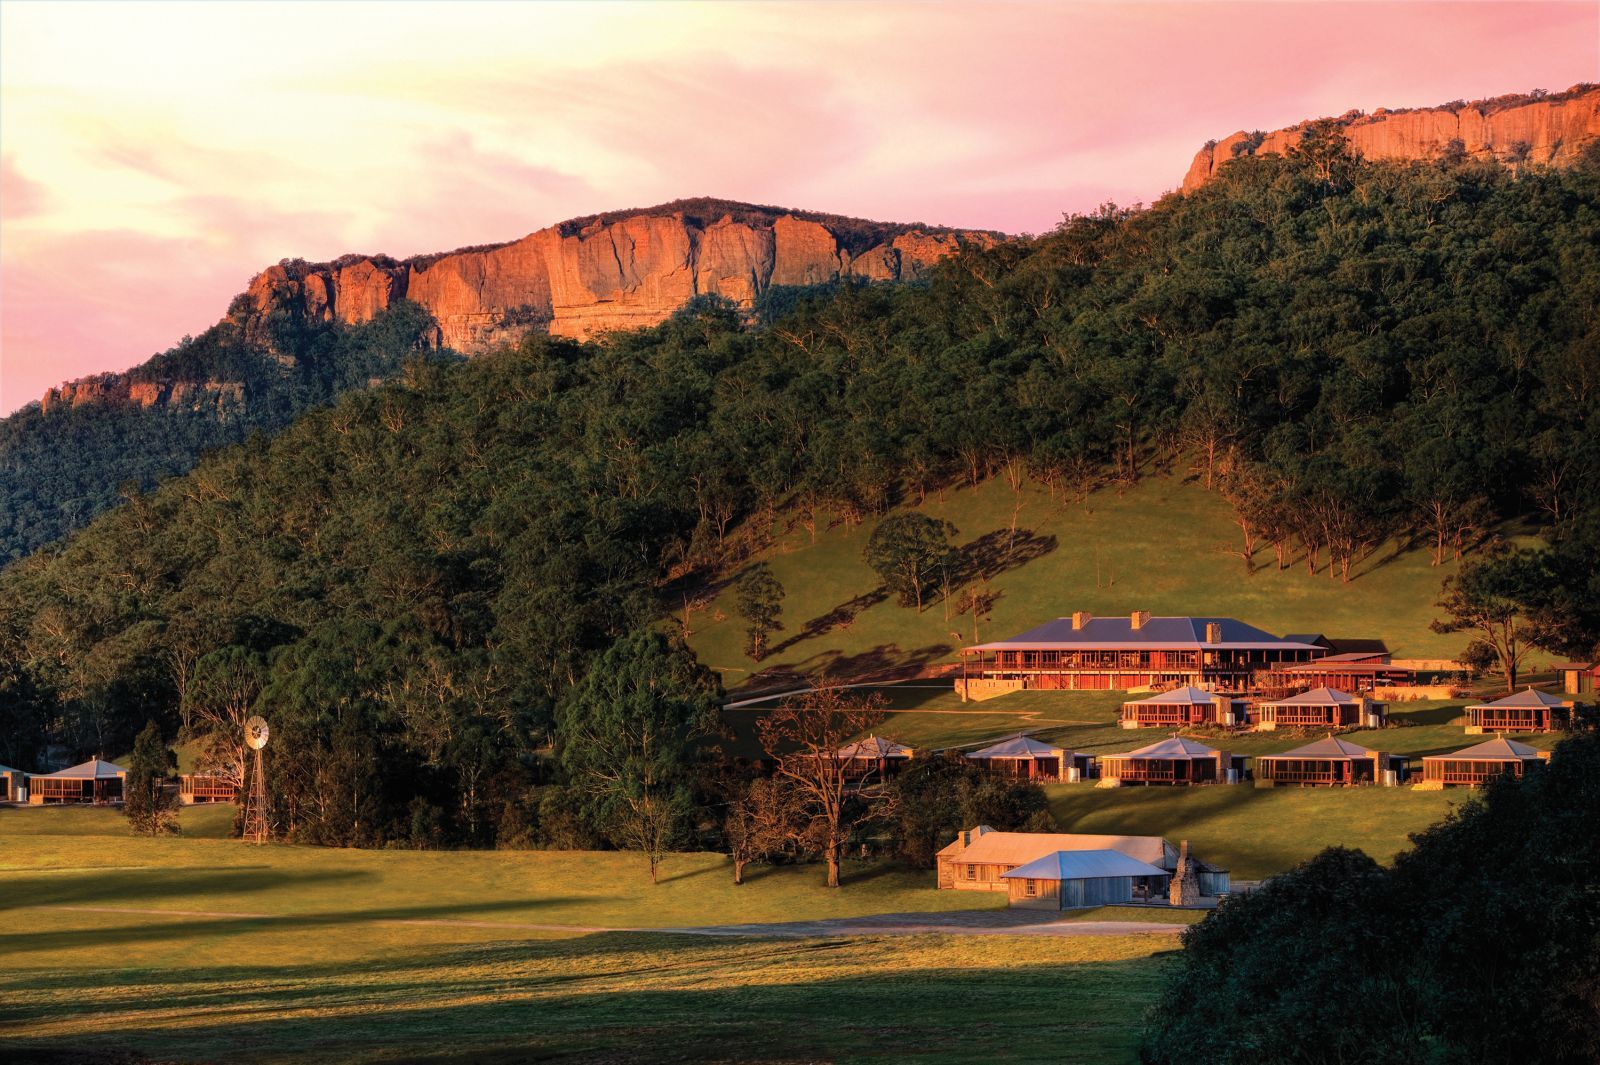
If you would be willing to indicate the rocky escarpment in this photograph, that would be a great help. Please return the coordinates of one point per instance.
(617, 271)
(1551, 129)
(119, 389)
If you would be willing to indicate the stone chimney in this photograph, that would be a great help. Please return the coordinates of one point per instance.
(1185, 890)
(1380, 765)
(1213, 632)
(1080, 618)
(1140, 619)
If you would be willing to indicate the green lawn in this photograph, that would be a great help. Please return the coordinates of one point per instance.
(1162, 545)
(204, 949)
(1256, 832)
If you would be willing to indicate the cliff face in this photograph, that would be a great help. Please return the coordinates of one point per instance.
(613, 272)
(1551, 130)
(121, 389)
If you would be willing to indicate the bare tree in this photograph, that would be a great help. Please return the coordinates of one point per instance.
(804, 735)
(762, 820)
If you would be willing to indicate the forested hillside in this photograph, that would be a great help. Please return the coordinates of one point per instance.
(407, 583)
(65, 461)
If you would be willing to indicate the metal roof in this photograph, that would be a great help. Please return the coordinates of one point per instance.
(1529, 697)
(93, 769)
(1188, 695)
(1083, 865)
(1498, 749)
(1171, 747)
(1118, 634)
(1020, 747)
(1018, 848)
(875, 747)
(1330, 749)
(1317, 697)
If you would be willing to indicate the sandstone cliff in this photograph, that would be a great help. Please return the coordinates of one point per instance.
(1550, 129)
(125, 389)
(618, 271)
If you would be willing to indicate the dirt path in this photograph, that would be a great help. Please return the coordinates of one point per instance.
(958, 923)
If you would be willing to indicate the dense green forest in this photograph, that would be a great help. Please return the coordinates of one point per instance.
(59, 468)
(410, 581)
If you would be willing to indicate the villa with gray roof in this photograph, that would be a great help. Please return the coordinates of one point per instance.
(1529, 710)
(1329, 762)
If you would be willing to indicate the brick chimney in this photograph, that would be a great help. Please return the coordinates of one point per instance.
(1213, 632)
(1080, 618)
(1140, 619)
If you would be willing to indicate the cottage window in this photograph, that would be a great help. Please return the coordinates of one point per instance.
(972, 872)
(1032, 888)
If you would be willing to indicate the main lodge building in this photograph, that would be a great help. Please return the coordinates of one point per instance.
(1138, 651)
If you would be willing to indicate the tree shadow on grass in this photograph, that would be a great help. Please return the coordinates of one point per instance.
(1434, 715)
(996, 552)
(186, 927)
(841, 616)
(588, 1011)
(129, 887)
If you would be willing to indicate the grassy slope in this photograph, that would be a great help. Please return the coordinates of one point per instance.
(346, 973)
(1159, 546)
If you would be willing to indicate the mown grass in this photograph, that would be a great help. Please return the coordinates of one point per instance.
(1162, 545)
(196, 949)
(613, 997)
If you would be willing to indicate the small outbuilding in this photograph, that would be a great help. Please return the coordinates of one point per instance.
(1068, 880)
(1479, 764)
(1529, 710)
(978, 858)
(95, 781)
(873, 759)
(1181, 707)
(1025, 758)
(1320, 708)
(1330, 762)
(203, 788)
(1579, 678)
(13, 785)
(1175, 760)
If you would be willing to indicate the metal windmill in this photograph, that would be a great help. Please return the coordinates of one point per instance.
(255, 805)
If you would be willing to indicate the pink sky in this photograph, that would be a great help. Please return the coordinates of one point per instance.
(153, 157)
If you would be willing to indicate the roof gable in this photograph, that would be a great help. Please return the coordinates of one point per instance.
(1528, 697)
(875, 747)
(93, 769)
(1171, 747)
(1331, 747)
(1118, 632)
(1317, 697)
(1186, 696)
(1498, 749)
(1019, 747)
(1018, 848)
(1076, 865)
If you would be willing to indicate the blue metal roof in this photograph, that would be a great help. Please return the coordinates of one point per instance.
(1118, 634)
(1083, 865)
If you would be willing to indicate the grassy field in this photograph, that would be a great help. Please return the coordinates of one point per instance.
(203, 949)
(1162, 545)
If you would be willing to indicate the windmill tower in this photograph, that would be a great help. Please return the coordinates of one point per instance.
(255, 804)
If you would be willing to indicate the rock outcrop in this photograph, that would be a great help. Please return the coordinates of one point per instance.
(1552, 129)
(618, 271)
(125, 389)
